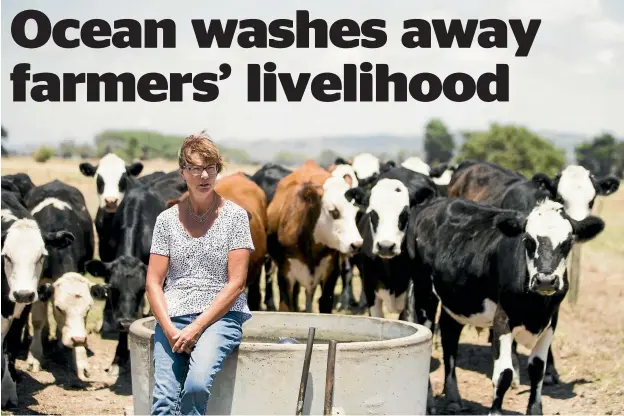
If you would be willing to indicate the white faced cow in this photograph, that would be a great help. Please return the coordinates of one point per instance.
(311, 224)
(577, 188)
(72, 296)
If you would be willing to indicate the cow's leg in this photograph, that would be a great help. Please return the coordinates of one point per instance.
(81, 363)
(286, 292)
(451, 331)
(326, 301)
(552, 376)
(515, 360)
(503, 373)
(309, 292)
(269, 302)
(254, 297)
(122, 355)
(346, 295)
(39, 322)
(13, 340)
(537, 366)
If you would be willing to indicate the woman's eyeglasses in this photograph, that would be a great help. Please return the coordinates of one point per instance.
(197, 170)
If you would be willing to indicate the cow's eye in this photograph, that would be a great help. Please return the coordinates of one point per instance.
(335, 213)
(8, 258)
(531, 246)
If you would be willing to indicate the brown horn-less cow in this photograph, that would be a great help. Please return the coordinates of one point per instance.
(310, 224)
(247, 194)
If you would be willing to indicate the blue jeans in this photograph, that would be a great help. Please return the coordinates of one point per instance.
(182, 381)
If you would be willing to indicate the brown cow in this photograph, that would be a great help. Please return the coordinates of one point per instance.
(245, 193)
(310, 224)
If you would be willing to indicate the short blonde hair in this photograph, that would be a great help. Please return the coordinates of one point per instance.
(202, 145)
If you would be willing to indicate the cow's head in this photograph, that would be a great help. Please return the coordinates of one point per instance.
(24, 253)
(125, 279)
(72, 298)
(417, 165)
(577, 188)
(347, 173)
(548, 235)
(111, 178)
(320, 215)
(336, 226)
(388, 213)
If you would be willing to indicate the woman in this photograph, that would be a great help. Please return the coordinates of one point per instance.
(202, 247)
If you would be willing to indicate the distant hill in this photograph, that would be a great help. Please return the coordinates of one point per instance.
(264, 150)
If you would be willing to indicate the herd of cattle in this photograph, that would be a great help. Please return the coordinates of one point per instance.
(486, 243)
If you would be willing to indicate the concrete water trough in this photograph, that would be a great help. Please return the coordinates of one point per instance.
(381, 366)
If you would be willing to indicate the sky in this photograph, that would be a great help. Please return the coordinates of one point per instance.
(572, 80)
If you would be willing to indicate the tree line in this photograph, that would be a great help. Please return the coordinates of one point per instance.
(512, 146)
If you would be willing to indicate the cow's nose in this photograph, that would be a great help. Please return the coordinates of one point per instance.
(124, 324)
(386, 246)
(24, 296)
(111, 202)
(79, 340)
(356, 245)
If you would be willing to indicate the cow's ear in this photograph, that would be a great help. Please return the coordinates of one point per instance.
(45, 292)
(99, 292)
(135, 169)
(59, 239)
(359, 195)
(438, 170)
(422, 195)
(543, 182)
(87, 169)
(607, 186)
(510, 223)
(588, 228)
(97, 268)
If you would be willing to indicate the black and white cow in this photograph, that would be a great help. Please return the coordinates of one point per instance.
(496, 268)
(57, 206)
(489, 183)
(133, 226)
(72, 296)
(441, 174)
(25, 248)
(113, 179)
(383, 261)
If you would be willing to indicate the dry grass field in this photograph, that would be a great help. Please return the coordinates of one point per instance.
(588, 344)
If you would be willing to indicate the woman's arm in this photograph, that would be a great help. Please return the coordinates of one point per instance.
(238, 261)
(156, 273)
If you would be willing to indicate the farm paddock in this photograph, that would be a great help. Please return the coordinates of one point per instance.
(587, 345)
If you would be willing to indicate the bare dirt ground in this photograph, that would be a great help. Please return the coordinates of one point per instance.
(588, 344)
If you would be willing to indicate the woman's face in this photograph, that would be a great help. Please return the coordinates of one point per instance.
(200, 175)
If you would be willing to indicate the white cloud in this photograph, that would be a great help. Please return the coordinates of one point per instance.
(605, 30)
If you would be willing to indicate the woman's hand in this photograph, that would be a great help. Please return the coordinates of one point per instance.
(170, 333)
(186, 339)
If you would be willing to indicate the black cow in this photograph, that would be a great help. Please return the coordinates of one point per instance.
(132, 226)
(496, 268)
(20, 183)
(489, 183)
(267, 178)
(25, 249)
